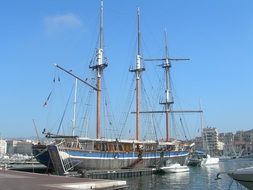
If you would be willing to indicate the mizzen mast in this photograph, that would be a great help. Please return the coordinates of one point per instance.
(138, 69)
(168, 95)
(99, 67)
(168, 102)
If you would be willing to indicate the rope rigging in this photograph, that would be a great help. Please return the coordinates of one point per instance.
(108, 114)
(64, 112)
(183, 128)
(52, 88)
(130, 97)
(86, 106)
(147, 102)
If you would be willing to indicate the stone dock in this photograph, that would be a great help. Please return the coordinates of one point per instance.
(16, 180)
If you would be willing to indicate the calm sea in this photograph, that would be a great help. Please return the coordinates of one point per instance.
(197, 178)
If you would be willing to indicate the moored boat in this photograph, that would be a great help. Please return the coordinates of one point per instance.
(208, 160)
(175, 168)
(243, 176)
(195, 158)
(119, 154)
(75, 152)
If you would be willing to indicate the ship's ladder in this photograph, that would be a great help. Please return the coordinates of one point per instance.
(56, 160)
(64, 149)
(65, 157)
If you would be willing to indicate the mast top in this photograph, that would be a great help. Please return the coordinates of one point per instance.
(138, 11)
(139, 32)
(101, 24)
(167, 61)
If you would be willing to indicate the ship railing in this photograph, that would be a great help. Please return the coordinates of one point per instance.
(70, 144)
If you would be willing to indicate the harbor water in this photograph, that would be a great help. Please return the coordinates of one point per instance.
(197, 178)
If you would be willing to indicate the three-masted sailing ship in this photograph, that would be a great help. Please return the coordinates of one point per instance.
(75, 152)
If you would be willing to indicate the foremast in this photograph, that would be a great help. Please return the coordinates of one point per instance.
(99, 67)
(138, 70)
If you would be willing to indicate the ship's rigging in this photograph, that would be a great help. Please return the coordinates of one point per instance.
(98, 64)
(113, 153)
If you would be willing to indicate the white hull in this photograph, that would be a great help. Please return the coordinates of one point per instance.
(175, 168)
(225, 158)
(210, 161)
(244, 176)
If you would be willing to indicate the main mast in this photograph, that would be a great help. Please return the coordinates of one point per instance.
(99, 67)
(138, 69)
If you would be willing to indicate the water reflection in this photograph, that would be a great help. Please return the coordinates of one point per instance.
(197, 178)
(161, 181)
(176, 179)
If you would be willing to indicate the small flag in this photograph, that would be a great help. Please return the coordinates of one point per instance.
(46, 102)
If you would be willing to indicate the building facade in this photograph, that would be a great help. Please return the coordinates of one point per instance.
(19, 147)
(210, 140)
(3, 147)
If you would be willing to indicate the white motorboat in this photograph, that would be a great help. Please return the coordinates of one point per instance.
(174, 168)
(195, 158)
(209, 160)
(244, 176)
(194, 161)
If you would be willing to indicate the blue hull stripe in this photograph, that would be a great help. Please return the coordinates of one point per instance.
(125, 155)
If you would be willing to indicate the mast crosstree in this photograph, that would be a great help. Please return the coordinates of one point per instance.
(168, 101)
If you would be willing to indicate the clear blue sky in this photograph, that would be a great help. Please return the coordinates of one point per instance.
(216, 35)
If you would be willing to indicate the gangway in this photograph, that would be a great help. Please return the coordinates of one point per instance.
(61, 166)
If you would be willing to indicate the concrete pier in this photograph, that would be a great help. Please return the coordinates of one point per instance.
(15, 180)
